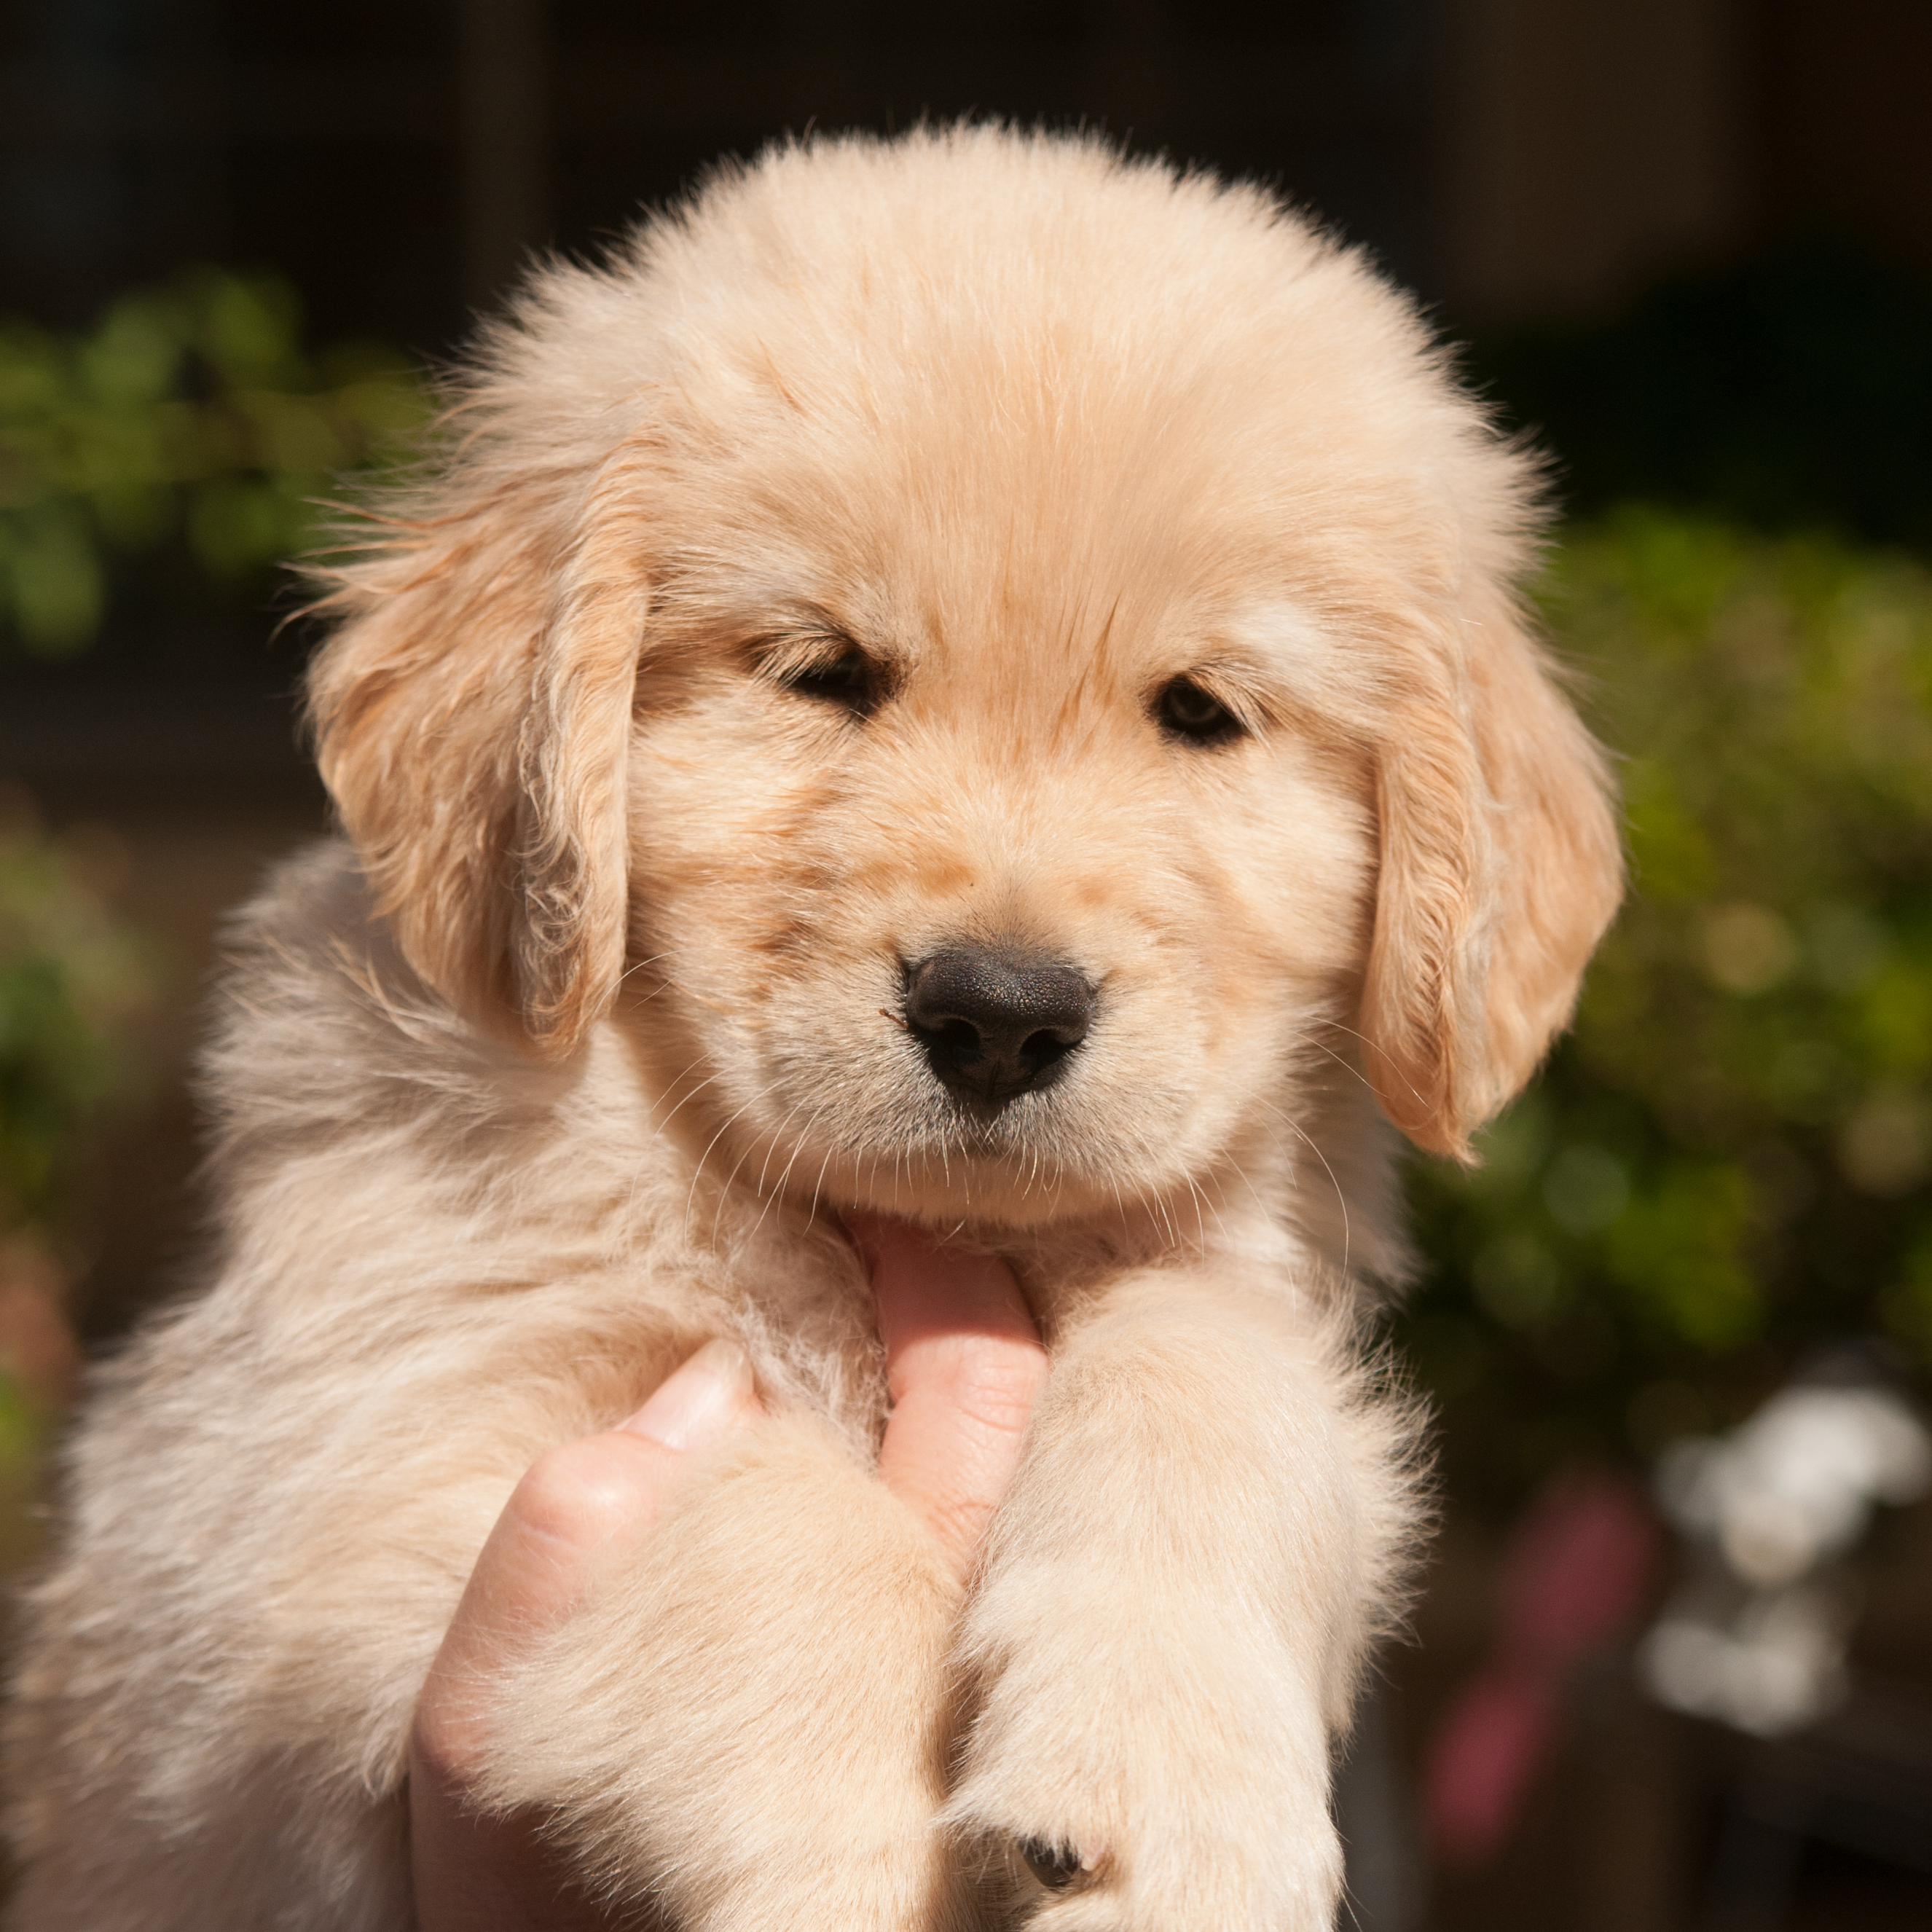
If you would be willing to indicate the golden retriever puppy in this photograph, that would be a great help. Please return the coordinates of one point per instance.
(962, 676)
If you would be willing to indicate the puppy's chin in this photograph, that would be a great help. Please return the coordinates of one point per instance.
(983, 1187)
(1039, 1159)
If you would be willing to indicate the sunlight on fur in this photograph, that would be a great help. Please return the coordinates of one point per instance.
(961, 676)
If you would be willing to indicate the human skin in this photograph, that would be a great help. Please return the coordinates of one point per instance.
(964, 1364)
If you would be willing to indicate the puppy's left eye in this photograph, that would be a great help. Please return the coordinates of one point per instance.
(1185, 710)
(847, 678)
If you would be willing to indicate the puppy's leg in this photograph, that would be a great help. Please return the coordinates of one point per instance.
(1178, 1597)
(747, 1721)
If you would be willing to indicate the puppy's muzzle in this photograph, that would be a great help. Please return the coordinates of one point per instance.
(996, 1024)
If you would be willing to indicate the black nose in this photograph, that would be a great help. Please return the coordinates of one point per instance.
(994, 1024)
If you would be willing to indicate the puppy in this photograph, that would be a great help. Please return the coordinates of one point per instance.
(965, 677)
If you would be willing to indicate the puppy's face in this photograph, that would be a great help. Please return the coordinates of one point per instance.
(985, 872)
(998, 669)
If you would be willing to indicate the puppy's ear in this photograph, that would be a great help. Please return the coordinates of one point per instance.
(1501, 867)
(471, 717)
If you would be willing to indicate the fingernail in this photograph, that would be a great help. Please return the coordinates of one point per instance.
(700, 1401)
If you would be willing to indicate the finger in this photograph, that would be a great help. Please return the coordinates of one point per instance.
(573, 1500)
(964, 1366)
(476, 1874)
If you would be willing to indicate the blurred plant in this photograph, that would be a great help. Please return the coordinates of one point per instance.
(1729, 1160)
(72, 975)
(190, 416)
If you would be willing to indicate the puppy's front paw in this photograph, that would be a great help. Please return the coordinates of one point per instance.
(1196, 1872)
(744, 1725)
(1167, 1797)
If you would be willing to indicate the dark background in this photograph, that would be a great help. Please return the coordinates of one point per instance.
(1687, 242)
(1515, 159)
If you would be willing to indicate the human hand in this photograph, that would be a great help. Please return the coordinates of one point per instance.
(963, 1364)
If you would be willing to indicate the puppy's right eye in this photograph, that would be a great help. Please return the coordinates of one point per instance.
(847, 678)
(1187, 710)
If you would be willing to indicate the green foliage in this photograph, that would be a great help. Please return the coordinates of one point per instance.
(190, 419)
(71, 975)
(1729, 1160)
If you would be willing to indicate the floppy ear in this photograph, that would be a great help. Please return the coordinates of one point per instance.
(1501, 867)
(471, 717)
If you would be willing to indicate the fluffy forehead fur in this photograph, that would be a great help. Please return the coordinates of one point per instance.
(1036, 430)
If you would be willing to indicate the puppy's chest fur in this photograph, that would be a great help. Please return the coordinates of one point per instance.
(546, 1216)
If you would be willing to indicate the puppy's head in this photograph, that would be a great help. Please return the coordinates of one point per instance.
(999, 666)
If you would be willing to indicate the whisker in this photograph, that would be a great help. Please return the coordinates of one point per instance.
(710, 1079)
(1341, 1199)
(717, 1212)
(1375, 1046)
(1200, 1202)
(697, 1172)
(644, 1158)
(772, 1141)
(641, 965)
(777, 1192)
(798, 1147)
(1353, 1072)
(812, 1214)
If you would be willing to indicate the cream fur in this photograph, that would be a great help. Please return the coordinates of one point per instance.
(556, 1067)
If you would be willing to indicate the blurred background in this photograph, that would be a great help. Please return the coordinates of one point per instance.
(1673, 1664)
